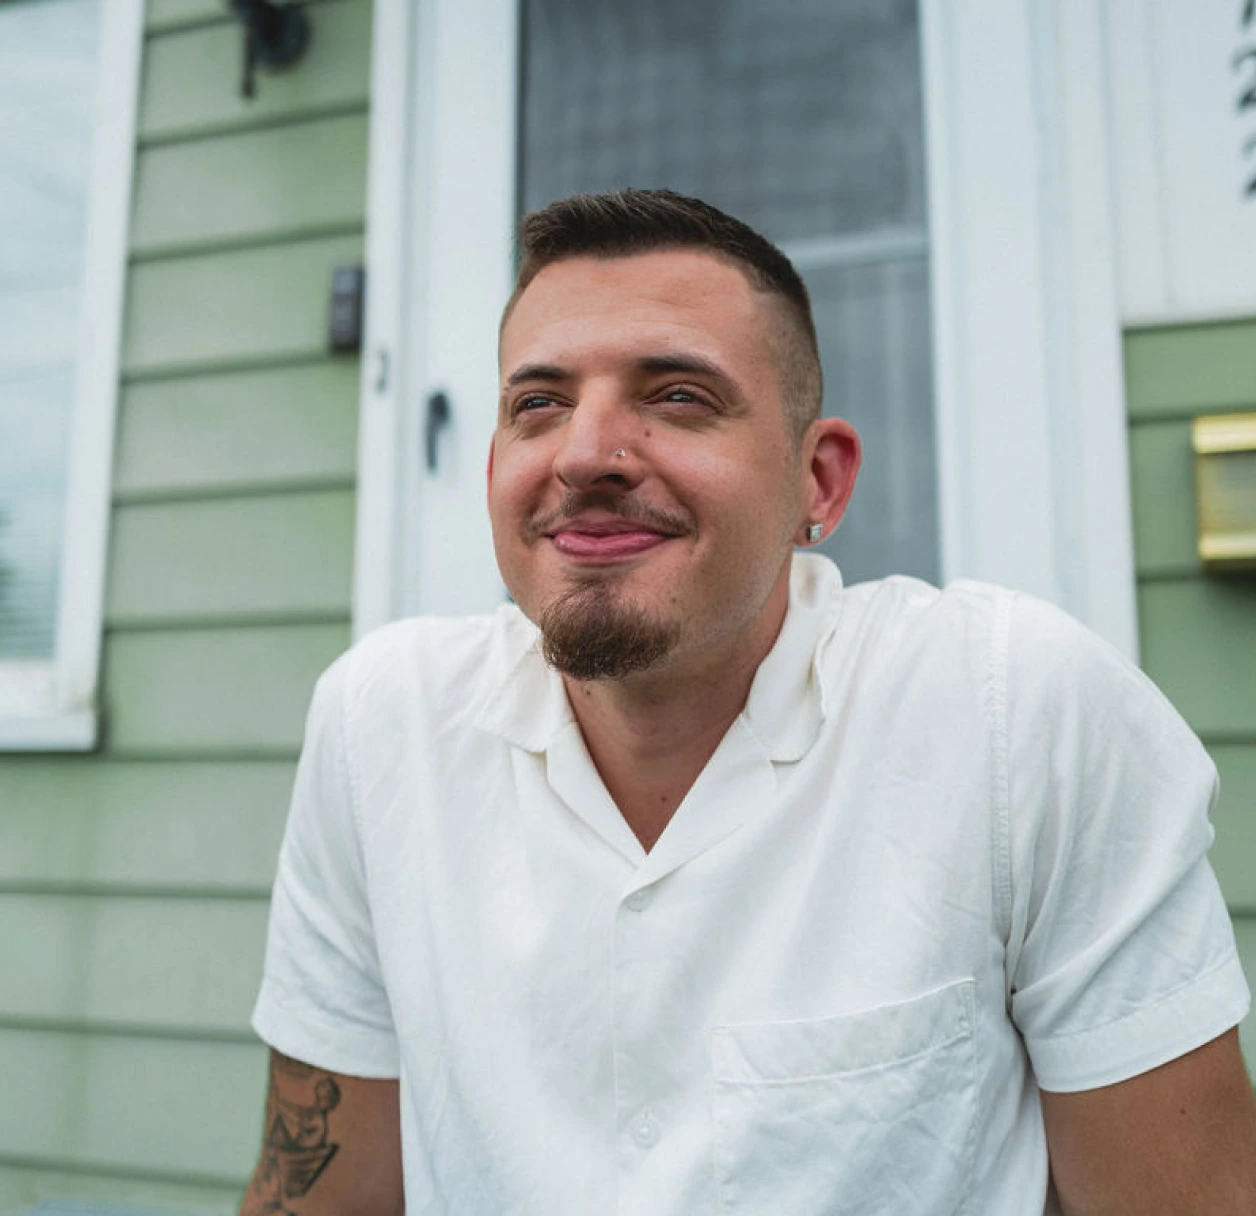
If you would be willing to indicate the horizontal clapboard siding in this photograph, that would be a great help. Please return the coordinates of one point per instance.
(26, 1182)
(103, 824)
(232, 432)
(1197, 631)
(274, 556)
(246, 306)
(1199, 644)
(164, 965)
(191, 83)
(118, 1102)
(134, 883)
(281, 181)
(1234, 855)
(221, 690)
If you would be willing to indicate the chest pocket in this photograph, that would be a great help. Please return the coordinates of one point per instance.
(865, 1114)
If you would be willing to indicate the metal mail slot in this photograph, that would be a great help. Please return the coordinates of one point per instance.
(1225, 490)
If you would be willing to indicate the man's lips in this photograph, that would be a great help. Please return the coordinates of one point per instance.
(593, 541)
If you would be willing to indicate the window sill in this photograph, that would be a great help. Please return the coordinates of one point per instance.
(73, 730)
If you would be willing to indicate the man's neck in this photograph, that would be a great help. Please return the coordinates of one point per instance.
(651, 736)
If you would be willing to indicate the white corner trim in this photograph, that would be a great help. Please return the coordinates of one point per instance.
(69, 723)
(381, 391)
(1033, 467)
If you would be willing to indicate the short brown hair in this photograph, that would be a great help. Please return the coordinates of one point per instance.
(622, 223)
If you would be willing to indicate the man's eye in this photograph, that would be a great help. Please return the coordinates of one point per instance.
(533, 401)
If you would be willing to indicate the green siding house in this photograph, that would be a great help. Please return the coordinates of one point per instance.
(259, 500)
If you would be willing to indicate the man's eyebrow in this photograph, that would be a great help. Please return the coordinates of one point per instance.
(548, 373)
(693, 364)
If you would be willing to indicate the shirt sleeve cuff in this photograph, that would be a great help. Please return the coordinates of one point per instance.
(298, 1031)
(1186, 1019)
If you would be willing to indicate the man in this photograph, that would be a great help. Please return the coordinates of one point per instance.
(696, 883)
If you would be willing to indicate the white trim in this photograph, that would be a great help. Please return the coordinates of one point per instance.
(441, 157)
(377, 529)
(70, 723)
(1033, 475)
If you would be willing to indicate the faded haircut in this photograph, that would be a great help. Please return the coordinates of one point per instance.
(622, 223)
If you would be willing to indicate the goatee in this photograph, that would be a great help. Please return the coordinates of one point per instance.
(589, 634)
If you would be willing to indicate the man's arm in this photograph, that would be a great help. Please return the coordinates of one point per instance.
(331, 1145)
(1175, 1141)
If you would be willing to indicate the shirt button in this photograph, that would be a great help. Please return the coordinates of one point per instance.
(645, 1131)
(637, 900)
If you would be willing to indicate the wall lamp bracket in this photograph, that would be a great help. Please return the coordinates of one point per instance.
(275, 37)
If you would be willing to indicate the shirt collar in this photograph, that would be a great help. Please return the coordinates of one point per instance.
(786, 705)
(522, 699)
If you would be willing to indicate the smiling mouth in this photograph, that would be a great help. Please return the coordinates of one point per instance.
(590, 542)
(594, 528)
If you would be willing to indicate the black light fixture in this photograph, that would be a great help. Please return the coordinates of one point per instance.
(275, 36)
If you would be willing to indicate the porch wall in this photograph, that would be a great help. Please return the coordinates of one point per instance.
(1198, 633)
(133, 883)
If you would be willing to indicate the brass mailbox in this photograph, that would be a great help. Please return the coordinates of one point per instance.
(1225, 490)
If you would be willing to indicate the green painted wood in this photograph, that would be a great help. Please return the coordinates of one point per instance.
(1234, 817)
(1198, 642)
(1162, 476)
(291, 179)
(191, 80)
(290, 424)
(121, 1103)
(201, 690)
(1245, 936)
(1191, 369)
(24, 1186)
(169, 964)
(166, 14)
(246, 305)
(278, 553)
(159, 823)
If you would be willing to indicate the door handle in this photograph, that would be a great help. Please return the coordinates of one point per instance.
(437, 418)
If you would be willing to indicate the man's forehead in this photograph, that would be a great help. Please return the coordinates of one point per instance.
(693, 290)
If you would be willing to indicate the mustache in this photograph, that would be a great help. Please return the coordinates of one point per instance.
(619, 506)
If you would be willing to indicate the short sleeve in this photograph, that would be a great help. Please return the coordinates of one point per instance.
(1121, 955)
(322, 998)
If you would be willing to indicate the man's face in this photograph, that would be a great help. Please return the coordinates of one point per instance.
(676, 549)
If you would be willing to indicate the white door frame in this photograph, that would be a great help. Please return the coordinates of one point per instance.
(1030, 401)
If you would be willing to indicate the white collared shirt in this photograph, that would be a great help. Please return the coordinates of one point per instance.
(953, 844)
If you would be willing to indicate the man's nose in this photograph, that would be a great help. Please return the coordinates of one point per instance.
(599, 442)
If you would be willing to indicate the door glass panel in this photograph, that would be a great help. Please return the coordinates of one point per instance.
(803, 118)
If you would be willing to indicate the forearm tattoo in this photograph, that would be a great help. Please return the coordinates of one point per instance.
(297, 1147)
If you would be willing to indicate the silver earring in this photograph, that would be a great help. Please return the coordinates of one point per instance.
(814, 532)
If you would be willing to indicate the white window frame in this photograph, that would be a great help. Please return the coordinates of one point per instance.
(52, 707)
(1030, 398)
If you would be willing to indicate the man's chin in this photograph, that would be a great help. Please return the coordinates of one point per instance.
(591, 633)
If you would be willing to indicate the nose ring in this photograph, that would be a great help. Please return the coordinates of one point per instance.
(620, 453)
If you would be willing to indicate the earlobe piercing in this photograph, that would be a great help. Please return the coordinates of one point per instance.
(814, 532)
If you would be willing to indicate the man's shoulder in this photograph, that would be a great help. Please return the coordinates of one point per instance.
(429, 658)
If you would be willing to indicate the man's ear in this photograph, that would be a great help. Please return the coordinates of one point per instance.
(832, 453)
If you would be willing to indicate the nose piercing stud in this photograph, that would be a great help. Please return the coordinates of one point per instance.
(814, 532)
(620, 454)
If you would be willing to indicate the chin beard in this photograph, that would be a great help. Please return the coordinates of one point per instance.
(588, 634)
